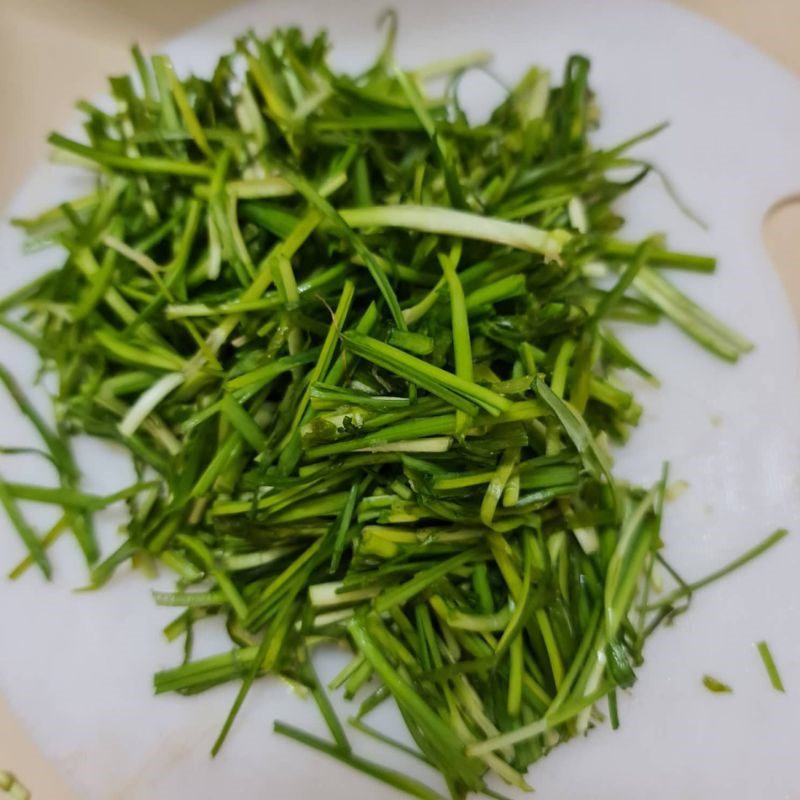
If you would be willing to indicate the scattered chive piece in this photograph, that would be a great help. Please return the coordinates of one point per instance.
(716, 686)
(388, 776)
(769, 665)
(26, 533)
(361, 352)
(11, 786)
(686, 590)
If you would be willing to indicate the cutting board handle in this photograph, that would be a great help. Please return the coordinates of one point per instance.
(781, 232)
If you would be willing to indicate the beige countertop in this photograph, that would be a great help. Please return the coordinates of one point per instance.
(55, 51)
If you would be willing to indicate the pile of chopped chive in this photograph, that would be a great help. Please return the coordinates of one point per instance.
(358, 348)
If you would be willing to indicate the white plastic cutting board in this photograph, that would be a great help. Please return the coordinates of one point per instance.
(77, 667)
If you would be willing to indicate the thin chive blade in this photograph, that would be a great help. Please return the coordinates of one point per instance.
(386, 776)
(24, 530)
(770, 667)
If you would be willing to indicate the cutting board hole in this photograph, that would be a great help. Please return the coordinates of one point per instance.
(781, 233)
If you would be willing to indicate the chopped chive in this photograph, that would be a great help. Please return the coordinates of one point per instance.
(690, 261)
(737, 563)
(458, 391)
(459, 223)
(135, 164)
(24, 530)
(687, 315)
(769, 666)
(716, 686)
(265, 658)
(396, 780)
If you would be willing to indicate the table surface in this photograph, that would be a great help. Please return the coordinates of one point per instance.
(53, 52)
